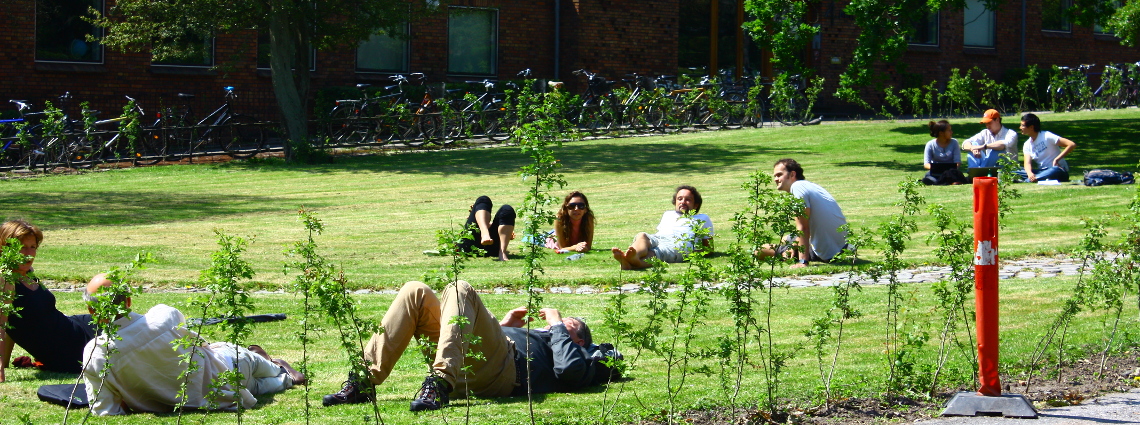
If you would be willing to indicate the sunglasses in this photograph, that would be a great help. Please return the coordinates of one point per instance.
(576, 206)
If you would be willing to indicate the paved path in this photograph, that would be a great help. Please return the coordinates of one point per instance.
(1116, 408)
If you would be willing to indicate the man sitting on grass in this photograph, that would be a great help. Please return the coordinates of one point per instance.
(820, 238)
(674, 238)
(144, 364)
(562, 355)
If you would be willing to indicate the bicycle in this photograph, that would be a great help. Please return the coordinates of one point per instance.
(142, 144)
(239, 136)
(600, 110)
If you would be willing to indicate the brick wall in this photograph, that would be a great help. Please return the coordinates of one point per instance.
(613, 37)
(1042, 48)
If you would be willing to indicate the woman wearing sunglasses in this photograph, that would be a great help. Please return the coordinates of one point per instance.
(573, 225)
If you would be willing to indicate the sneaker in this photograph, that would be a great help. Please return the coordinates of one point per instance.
(432, 394)
(355, 391)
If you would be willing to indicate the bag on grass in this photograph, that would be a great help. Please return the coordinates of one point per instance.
(61, 393)
(1103, 177)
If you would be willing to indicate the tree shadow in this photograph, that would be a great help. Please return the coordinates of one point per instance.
(620, 155)
(890, 165)
(55, 210)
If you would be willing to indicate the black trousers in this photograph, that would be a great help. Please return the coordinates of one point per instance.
(505, 216)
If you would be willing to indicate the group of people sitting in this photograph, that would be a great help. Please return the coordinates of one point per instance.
(942, 156)
(140, 369)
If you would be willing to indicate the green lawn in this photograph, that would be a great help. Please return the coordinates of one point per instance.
(382, 211)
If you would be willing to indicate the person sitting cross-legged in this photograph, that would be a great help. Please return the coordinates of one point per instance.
(144, 362)
(562, 355)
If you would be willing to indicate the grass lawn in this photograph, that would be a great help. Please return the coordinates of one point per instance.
(1028, 307)
(381, 212)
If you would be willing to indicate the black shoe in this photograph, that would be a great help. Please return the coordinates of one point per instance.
(355, 390)
(432, 394)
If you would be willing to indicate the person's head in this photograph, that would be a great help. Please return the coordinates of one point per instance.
(98, 284)
(1030, 122)
(578, 330)
(575, 206)
(992, 120)
(938, 128)
(686, 198)
(29, 236)
(785, 172)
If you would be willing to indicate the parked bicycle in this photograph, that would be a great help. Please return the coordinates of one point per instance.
(222, 131)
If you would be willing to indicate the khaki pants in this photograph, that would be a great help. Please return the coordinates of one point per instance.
(416, 312)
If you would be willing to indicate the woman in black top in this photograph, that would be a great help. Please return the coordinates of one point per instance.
(53, 339)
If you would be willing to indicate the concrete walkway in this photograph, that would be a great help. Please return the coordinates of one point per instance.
(1116, 408)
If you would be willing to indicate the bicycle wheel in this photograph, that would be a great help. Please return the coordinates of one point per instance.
(735, 114)
(498, 122)
(149, 148)
(792, 111)
(345, 127)
(86, 151)
(242, 137)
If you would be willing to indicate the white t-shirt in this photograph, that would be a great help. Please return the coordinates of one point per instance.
(985, 137)
(679, 229)
(1043, 149)
(824, 220)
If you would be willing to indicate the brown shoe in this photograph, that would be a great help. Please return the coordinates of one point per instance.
(298, 377)
(356, 390)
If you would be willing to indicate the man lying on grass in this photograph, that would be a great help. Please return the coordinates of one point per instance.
(562, 355)
(145, 363)
(674, 238)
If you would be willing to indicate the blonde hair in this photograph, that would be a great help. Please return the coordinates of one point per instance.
(19, 229)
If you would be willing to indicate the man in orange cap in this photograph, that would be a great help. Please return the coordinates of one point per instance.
(992, 142)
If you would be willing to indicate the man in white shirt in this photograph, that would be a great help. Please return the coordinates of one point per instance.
(820, 238)
(674, 238)
(144, 364)
(991, 143)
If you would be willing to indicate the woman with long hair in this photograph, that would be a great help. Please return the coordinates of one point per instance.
(53, 339)
(573, 225)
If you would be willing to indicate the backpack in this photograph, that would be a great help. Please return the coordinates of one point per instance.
(1103, 177)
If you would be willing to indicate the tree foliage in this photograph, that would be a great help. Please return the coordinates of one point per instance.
(174, 29)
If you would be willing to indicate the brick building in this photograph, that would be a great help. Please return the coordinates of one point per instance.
(46, 53)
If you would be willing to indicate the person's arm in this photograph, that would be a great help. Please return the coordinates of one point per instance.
(1067, 146)
(589, 242)
(561, 238)
(803, 225)
(6, 342)
(971, 144)
(572, 365)
(515, 318)
(1028, 163)
(926, 154)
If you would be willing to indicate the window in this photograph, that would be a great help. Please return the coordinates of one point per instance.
(472, 41)
(383, 53)
(1098, 28)
(925, 31)
(263, 49)
(1053, 16)
(61, 32)
(978, 25)
(196, 52)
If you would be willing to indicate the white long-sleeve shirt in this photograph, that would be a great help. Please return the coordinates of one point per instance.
(143, 374)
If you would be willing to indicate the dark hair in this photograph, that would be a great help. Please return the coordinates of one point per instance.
(696, 196)
(562, 218)
(1031, 120)
(937, 128)
(791, 165)
(584, 333)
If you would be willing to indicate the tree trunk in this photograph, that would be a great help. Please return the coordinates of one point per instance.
(289, 63)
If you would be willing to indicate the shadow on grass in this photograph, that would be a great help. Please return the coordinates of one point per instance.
(620, 156)
(76, 209)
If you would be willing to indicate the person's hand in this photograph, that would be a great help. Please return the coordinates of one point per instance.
(515, 318)
(1030, 176)
(551, 315)
(579, 247)
(1057, 161)
(976, 151)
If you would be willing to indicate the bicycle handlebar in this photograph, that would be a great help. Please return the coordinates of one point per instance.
(524, 73)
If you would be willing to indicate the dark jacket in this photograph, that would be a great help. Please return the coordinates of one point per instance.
(557, 363)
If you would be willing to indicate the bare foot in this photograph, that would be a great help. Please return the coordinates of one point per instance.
(633, 260)
(503, 256)
(485, 238)
(619, 255)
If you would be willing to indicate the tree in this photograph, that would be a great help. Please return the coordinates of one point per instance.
(175, 28)
(1125, 23)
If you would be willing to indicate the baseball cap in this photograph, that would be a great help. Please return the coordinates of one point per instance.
(990, 115)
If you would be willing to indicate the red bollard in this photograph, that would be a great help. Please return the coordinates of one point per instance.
(986, 282)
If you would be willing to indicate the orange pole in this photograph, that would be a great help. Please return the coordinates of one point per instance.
(986, 282)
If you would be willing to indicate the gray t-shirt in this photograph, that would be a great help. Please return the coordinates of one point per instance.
(824, 220)
(935, 154)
